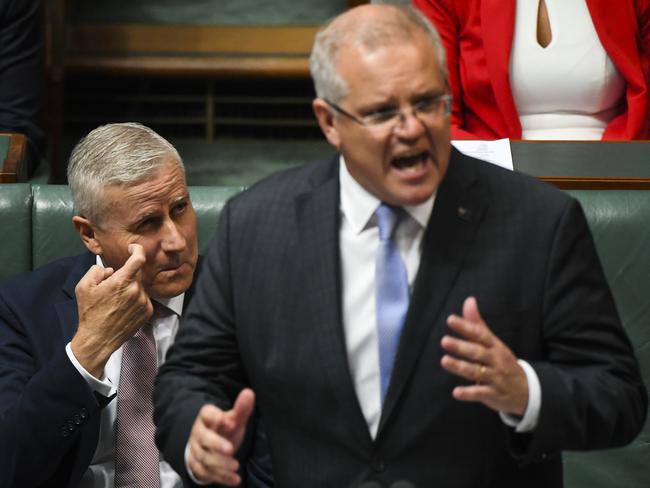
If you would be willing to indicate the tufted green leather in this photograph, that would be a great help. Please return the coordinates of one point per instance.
(37, 228)
(620, 223)
(16, 229)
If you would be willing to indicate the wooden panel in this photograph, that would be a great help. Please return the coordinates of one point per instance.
(204, 66)
(578, 183)
(14, 168)
(226, 40)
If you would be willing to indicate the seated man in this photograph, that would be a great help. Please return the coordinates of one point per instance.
(401, 311)
(82, 330)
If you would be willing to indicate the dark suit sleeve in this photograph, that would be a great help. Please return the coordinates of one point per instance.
(592, 393)
(203, 366)
(45, 405)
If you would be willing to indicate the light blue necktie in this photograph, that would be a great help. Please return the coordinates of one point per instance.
(392, 293)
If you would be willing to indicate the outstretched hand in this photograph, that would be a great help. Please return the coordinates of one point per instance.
(215, 438)
(480, 356)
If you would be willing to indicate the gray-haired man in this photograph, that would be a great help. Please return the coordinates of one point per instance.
(75, 333)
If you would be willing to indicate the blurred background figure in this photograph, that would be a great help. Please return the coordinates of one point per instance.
(553, 69)
(21, 73)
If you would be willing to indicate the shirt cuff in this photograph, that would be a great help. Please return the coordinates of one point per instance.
(187, 467)
(104, 387)
(528, 422)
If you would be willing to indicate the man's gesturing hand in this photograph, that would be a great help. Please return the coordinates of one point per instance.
(215, 438)
(480, 356)
(112, 306)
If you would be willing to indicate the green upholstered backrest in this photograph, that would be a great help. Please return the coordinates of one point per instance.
(53, 235)
(620, 223)
(16, 229)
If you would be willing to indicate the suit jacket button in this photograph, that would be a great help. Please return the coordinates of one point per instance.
(77, 419)
(64, 432)
(83, 413)
(378, 465)
(71, 425)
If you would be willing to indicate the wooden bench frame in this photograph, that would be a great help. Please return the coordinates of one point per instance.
(14, 167)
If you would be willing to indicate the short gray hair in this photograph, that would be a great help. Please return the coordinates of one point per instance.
(369, 35)
(115, 154)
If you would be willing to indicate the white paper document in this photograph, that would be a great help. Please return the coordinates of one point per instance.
(495, 152)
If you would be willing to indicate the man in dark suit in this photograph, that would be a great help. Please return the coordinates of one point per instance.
(65, 328)
(506, 344)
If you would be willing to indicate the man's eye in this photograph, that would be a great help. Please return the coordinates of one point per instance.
(379, 116)
(179, 208)
(426, 104)
(146, 224)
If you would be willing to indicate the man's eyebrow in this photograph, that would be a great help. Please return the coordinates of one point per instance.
(184, 197)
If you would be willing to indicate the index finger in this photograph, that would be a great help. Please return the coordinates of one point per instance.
(134, 263)
(471, 325)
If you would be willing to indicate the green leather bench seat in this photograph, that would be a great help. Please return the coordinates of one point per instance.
(16, 229)
(37, 228)
(619, 221)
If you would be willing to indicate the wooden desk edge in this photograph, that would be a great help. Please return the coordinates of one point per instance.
(599, 183)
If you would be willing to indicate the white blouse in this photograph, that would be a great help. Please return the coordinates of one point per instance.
(569, 89)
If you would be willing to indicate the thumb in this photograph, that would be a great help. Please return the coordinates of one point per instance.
(241, 411)
(471, 311)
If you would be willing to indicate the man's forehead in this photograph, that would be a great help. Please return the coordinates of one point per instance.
(167, 184)
(358, 65)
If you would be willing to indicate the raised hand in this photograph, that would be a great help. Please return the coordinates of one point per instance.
(215, 438)
(480, 356)
(112, 306)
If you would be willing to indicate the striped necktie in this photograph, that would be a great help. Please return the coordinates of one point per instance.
(136, 456)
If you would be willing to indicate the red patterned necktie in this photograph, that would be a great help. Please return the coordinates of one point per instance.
(136, 454)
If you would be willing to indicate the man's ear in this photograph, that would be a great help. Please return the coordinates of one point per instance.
(86, 231)
(325, 119)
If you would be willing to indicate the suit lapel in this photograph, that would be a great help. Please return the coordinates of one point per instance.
(459, 208)
(66, 309)
(318, 217)
(497, 28)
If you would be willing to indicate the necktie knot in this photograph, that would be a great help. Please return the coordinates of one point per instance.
(387, 218)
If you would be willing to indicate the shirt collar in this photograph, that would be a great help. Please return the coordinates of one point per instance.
(175, 304)
(358, 205)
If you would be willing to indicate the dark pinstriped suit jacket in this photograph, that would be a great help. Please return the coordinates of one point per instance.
(267, 313)
(49, 416)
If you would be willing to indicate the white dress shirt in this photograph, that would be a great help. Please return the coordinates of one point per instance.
(358, 242)
(101, 472)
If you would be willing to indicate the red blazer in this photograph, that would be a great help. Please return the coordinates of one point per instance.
(478, 57)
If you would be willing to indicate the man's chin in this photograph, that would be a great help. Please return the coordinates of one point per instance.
(168, 284)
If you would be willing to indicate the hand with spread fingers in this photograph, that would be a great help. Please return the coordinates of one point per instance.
(215, 438)
(478, 355)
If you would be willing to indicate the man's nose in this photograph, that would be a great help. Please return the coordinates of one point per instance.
(409, 125)
(172, 237)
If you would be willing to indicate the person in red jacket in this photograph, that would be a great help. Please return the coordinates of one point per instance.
(549, 70)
